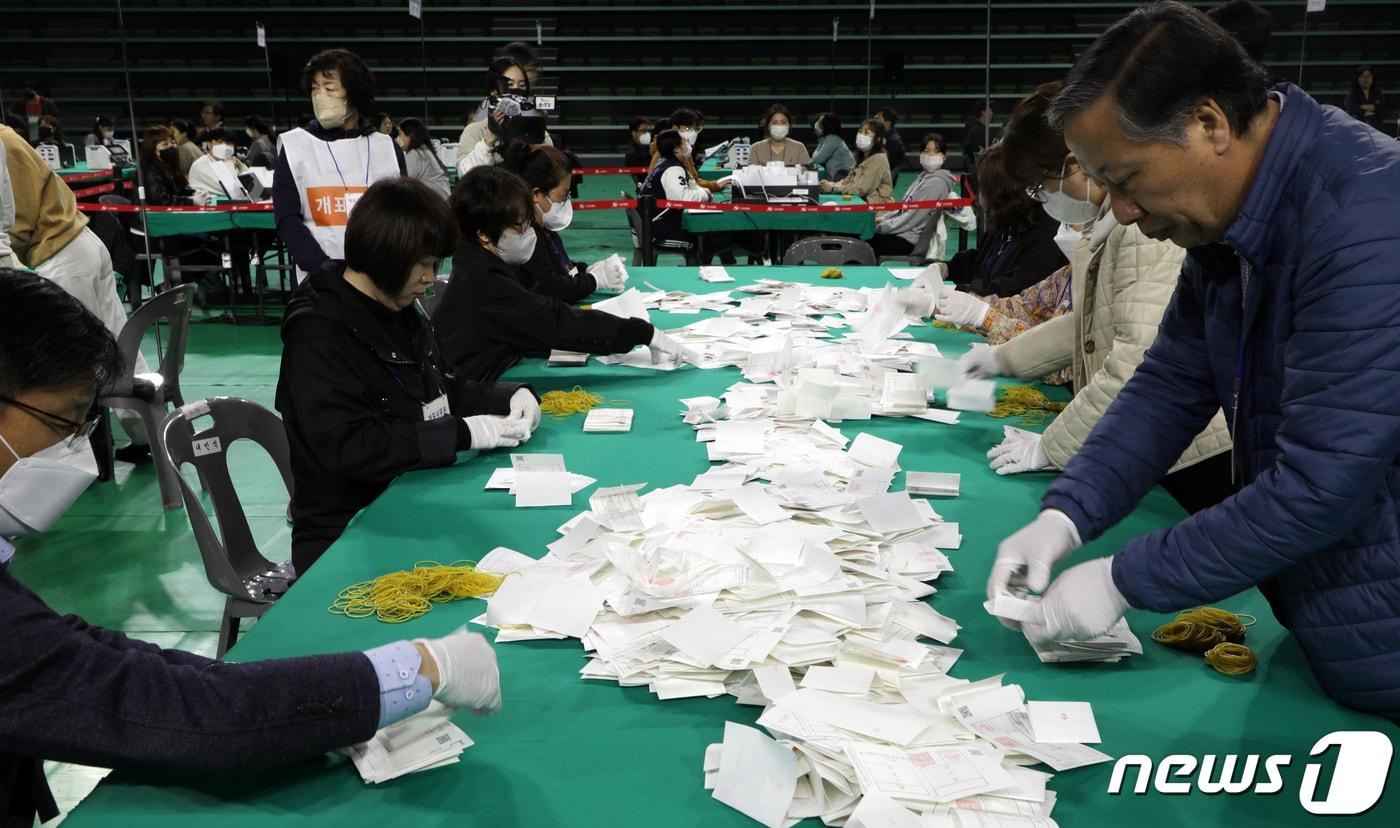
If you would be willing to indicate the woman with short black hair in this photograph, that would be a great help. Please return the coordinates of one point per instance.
(489, 318)
(364, 392)
(325, 167)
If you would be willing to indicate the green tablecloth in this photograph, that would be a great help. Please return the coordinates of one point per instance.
(566, 752)
(713, 169)
(81, 168)
(177, 224)
(861, 225)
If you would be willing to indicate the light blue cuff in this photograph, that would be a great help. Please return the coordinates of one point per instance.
(402, 691)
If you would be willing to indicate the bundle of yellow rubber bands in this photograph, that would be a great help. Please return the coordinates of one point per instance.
(402, 596)
(1215, 633)
(1028, 403)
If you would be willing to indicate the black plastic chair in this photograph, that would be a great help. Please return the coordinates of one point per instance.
(151, 395)
(830, 251)
(232, 562)
(634, 222)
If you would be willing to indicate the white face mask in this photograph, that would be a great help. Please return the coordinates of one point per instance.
(644, 139)
(864, 141)
(249, 133)
(689, 136)
(330, 112)
(516, 247)
(1067, 238)
(223, 152)
(107, 133)
(1066, 208)
(817, 128)
(778, 131)
(559, 215)
(932, 163)
(38, 489)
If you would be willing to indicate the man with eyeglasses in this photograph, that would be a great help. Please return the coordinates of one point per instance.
(76, 693)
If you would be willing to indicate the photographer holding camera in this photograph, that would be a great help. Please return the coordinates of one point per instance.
(512, 115)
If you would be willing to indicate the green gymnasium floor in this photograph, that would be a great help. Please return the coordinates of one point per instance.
(118, 560)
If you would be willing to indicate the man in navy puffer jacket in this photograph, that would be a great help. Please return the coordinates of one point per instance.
(1287, 315)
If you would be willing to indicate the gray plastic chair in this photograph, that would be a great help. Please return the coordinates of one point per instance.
(430, 302)
(232, 562)
(830, 251)
(150, 395)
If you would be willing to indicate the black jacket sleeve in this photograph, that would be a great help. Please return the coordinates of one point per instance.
(1036, 256)
(75, 693)
(163, 192)
(286, 205)
(549, 276)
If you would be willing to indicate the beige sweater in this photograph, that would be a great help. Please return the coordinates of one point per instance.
(793, 153)
(870, 180)
(46, 213)
(1121, 285)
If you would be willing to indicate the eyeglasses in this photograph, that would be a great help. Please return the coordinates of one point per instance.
(80, 431)
(1037, 193)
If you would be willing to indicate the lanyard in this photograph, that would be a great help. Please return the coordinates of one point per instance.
(368, 145)
(558, 251)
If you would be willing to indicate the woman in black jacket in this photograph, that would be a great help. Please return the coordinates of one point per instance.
(160, 168)
(550, 271)
(363, 392)
(490, 317)
(1019, 247)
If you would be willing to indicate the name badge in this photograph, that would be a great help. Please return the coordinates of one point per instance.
(436, 410)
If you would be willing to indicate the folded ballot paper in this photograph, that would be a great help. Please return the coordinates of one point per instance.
(422, 742)
(1115, 645)
(608, 420)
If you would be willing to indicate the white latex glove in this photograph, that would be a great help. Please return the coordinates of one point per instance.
(1024, 560)
(490, 431)
(919, 303)
(524, 406)
(664, 348)
(467, 674)
(610, 274)
(980, 362)
(961, 309)
(202, 199)
(1019, 453)
(1081, 604)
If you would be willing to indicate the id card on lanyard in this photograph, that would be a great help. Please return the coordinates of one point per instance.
(436, 410)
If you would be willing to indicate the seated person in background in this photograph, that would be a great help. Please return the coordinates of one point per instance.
(897, 233)
(211, 116)
(689, 123)
(102, 131)
(363, 392)
(189, 151)
(51, 131)
(894, 143)
(672, 178)
(160, 168)
(204, 176)
(421, 157)
(79, 693)
(549, 272)
(1019, 247)
(31, 108)
(324, 167)
(383, 123)
(871, 177)
(831, 153)
(261, 152)
(489, 318)
(775, 146)
(507, 85)
(637, 152)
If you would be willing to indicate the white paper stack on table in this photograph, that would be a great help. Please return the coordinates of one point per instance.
(608, 420)
(568, 359)
(422, 742)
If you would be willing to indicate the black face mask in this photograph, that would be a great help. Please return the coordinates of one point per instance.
(30, 94)
(170, 156)
(46, 133)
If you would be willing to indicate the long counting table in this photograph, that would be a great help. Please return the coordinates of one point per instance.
(564, 751)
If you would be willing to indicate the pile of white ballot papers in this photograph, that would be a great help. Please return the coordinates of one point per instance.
(422, 742)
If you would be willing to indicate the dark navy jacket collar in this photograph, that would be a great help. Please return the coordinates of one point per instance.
(315, 128)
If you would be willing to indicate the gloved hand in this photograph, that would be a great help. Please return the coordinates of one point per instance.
(980, 362)
(1019, 452)
(524, 406)
(961, 309)
(664, 348)
(1081, 604)
(201, 198)
(610, 274)
(490, 431)
(1024, 560)
(467, 674)
(918, 302)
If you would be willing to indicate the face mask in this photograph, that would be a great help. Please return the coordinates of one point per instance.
(1066, 208)
(644, 139)
(932, 163)
(559, 215)
(1067, 238)
(330, 112)
(39, 488)
(170, 156)
(107, 134)
(779, 132)
(45, 133)
(817, 128)
(517, 248)
(248, 132)
(689, 136)
(223, 152)
(864, 142)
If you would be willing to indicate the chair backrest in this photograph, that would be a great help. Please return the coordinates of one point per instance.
(231, 556)
(173, 306)
(634, 223)
(433, 298)
(833, 250)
